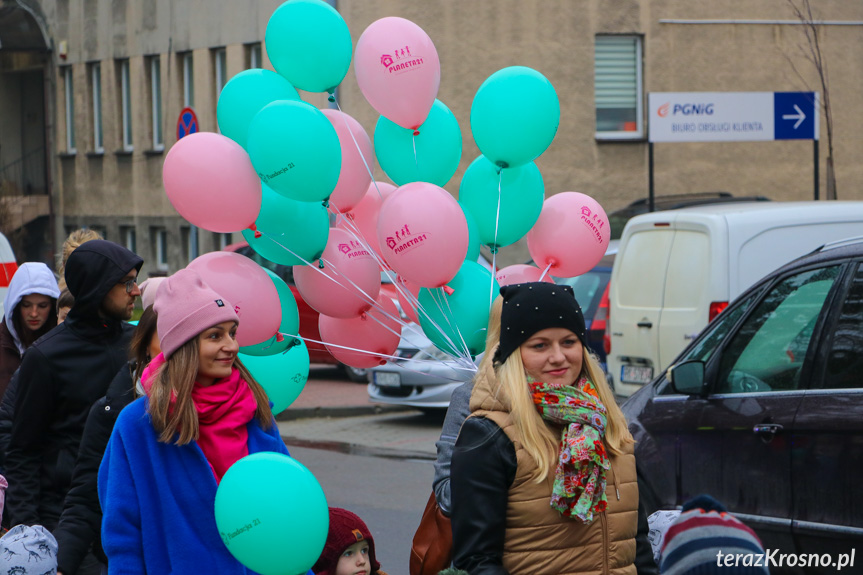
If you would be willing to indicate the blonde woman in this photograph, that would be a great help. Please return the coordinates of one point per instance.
(70, 244)
(168, 451)
(543, 476)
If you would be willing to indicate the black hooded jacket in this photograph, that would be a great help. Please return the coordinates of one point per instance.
(61, 377)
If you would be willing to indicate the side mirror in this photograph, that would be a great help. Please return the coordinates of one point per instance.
(687, 378)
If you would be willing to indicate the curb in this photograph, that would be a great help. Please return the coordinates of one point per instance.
(357, 449)
(339, 411)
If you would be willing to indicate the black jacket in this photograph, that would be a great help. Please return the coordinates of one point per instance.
(81, 521)
(7, 409)
(60, 378)
(479, 546)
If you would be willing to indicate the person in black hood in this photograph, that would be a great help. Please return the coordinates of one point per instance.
(63, 374)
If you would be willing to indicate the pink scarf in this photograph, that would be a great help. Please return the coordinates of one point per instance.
(224, 410)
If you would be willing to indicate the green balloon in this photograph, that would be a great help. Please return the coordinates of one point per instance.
(286, 224)
(290, 322)
(244, 96)
(438, 148)
(309, 43)
(522, 193)
(283, 375)
(295, 150)
(473, 243)
(462, 317)
(272, 514)
(514, 116)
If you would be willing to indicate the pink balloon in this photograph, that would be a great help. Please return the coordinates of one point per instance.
(210, 181)
(374, 332)
(398, 70)
(356, 146)
(348, 268)
(365, 214)
(423, 234)
(571, 234)
(407, 306)
(521, 273)
(247, 287)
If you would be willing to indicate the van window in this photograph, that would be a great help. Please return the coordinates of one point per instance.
(641, 278)
(845, 356)
(688, 271)
(768, 351)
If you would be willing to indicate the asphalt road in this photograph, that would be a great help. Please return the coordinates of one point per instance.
(388, 494)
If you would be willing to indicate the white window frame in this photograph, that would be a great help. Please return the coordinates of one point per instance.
(220, 60)
(126, 105)
(188, 80)
(130, 239)
(224, 240)
(161, 245)
(69, 88)
(156, 101)
(256, 56)
(96, 94)
(639, 133)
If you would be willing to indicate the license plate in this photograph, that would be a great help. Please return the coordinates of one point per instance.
(387, 379)
(636, 374)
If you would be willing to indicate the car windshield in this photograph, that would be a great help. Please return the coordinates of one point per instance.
(588, 288)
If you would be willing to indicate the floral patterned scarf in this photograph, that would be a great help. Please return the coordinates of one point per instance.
(579, 478)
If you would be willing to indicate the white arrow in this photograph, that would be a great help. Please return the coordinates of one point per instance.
(799, 116)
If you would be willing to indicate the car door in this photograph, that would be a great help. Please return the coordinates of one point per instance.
(756, 385)
(828, 434)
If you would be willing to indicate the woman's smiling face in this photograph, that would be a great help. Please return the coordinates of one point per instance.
(553, 356)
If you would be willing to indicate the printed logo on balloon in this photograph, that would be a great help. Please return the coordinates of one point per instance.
(593, 221)
(400, 243)
(403, 61)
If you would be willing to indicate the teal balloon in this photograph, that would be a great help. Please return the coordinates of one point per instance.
(454, 321)
(287, 226)
(522, 193)
(244, 96)
(290, 321)
(295, 150)
(272, 514)
(309, 43)
(514, 116)
(438, 148)
(283, 375)
(473, 243)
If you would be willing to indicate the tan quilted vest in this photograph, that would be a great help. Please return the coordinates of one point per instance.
(538, 540)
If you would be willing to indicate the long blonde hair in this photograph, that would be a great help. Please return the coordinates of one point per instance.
(176, 377)
(72, 242)
(538, 439)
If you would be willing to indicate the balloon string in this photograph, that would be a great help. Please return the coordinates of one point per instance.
(494, 247)
(548, 267)
(362, 157)
(416, 160)
(450, 321)
(453, 365)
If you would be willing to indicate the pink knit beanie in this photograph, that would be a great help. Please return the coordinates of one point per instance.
(185, 306)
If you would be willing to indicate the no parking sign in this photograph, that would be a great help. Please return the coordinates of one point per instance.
(187, 123)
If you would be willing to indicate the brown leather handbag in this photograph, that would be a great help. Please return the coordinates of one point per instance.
(431, 550)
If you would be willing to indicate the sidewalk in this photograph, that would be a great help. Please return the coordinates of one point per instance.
(337, 416)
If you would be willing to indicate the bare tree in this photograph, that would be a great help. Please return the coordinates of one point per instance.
(811, 51)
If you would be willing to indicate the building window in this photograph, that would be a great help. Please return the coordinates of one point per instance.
(254, 56)
(130, 239)
(101, 230)
(126, 105)
(617, 88)
(156, 101)
(221, 69)
(160, 248)
(70, 109)
(221, 241)
(96, 96)
(188, 80)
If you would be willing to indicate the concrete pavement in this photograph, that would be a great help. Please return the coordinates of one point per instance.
(338, 416)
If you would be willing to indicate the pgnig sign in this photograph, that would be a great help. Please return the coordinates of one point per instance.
(732, 116)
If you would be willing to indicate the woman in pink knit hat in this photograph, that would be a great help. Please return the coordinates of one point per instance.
(202, 412)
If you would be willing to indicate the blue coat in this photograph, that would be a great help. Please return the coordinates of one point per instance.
(157, 501)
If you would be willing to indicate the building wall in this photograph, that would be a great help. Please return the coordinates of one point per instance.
(474, 39)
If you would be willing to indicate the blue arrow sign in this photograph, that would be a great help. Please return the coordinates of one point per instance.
(795, 115)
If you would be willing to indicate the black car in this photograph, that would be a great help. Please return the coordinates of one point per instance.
(764, 410)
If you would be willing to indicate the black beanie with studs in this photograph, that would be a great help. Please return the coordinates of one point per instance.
(532, 307)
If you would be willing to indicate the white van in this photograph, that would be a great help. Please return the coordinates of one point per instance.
(676, 270)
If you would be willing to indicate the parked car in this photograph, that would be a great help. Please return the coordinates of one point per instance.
(618, 218)
(423, 377)
(308, 316)
(764, 409)
(677, 270)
